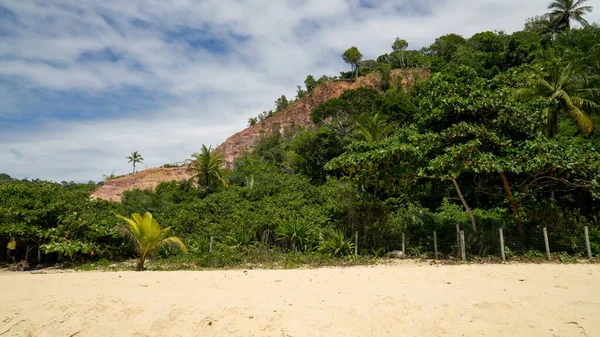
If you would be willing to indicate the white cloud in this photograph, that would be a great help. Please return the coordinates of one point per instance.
(193, 96)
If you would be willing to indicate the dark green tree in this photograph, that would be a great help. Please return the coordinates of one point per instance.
(446, 46)
(310, 83)
(340, 114)
(353, 57)
(281, 103)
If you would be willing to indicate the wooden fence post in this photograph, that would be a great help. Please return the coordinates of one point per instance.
(463, 252)
(435, 244)
(211, 244)
(502, 244)
(457, 240)
(403, 245)
(587, 242)
(547, 244)
(356, 243)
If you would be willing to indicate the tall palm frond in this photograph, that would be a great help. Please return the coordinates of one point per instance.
(206, 165)
(373, 128)
(566, 90)
(147, 236)
(563, 11)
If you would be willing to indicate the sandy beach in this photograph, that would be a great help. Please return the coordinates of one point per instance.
(404, 299)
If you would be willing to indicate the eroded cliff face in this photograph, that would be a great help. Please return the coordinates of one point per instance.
(144, 180)
(298, 113)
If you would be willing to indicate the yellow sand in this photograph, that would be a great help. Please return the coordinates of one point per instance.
(406, 299)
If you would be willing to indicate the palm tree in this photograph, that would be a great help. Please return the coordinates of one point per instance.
(566, 89)
(206, 165)
(563, 11)
(134, 158)
(373, 128)
(147, 236)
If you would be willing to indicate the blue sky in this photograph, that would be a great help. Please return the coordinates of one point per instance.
(83, 83)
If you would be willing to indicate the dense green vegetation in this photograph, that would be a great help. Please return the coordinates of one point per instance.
(503, 134)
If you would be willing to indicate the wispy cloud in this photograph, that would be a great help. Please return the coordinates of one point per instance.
(18, 155)
(82, 83)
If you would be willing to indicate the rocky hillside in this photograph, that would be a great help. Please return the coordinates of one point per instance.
(298, 113)
(143, 180)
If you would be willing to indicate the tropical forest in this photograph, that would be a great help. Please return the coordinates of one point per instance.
(487, 132)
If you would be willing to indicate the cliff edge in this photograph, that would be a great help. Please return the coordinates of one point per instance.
(297, 114)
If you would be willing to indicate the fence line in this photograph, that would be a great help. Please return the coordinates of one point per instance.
(502, 243)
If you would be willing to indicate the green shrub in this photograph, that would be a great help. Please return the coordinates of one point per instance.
(298, 234)
(334, 243)
(239, 236)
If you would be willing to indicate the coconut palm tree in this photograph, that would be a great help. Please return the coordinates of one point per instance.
(567, 90)
(147, 236)
(206, 166)
(134, 158)
(563, 11)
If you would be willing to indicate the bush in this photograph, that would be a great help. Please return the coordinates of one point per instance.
(334, 243)
(298, 234)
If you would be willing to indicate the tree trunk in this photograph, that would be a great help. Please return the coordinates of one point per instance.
(462, 199)
(552, 122)
(133, 167)
(27, 253)
(140, 264)
(39, 255)
(513, 204)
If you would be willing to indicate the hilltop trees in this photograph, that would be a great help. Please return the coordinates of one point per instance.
(134, 158)
(399, 47)
(446, 46)
(353, 57)
(281, 103)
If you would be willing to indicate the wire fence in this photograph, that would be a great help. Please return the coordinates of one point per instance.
(464, 243)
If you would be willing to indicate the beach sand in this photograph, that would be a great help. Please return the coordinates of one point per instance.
(398, 299)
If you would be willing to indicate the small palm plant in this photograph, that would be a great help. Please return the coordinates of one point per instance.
(298, 233)
(334, 243)
(147, 236)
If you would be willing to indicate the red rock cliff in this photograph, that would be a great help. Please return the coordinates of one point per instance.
(298, 113)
